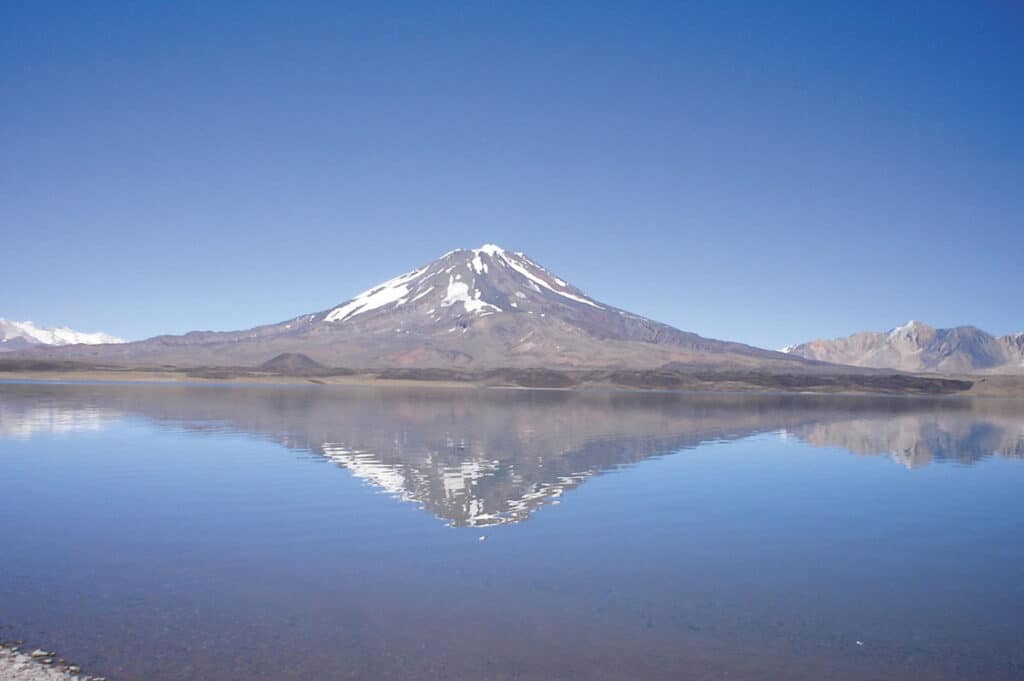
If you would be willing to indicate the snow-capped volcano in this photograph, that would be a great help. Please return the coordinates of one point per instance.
(484, 307)
(14, 335)
(478, 282)
(506, 306)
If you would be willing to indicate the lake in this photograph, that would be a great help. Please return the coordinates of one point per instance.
(220, 532)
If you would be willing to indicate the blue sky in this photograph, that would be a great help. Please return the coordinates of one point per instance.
(761, 174)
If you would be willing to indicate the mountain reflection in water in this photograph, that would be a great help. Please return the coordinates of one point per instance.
(486, 457)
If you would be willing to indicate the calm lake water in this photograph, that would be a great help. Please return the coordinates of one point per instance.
(197, 532)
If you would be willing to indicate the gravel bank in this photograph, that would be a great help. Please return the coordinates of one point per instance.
(37, 665)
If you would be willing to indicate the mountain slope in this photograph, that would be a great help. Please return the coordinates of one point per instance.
(477, 308)
(21, 335)
(918, 347)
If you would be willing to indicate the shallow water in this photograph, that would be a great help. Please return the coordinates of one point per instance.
(198, 532)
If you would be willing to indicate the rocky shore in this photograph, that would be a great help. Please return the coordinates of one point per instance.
(37, 665)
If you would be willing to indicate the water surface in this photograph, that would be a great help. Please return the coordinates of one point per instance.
(200, 532)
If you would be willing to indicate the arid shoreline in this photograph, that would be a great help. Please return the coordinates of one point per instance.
(887, 383)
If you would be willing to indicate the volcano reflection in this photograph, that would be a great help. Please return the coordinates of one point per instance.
(487, 457)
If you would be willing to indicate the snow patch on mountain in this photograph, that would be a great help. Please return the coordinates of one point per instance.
(459, 292)
(491, 249)
(908, 328)
(392, 291)
(514, 263)
(421, 294)
(479, 266)
(33, 334)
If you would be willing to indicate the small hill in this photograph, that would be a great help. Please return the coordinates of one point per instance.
(292, 363)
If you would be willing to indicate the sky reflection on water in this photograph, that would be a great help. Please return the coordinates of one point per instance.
(162, 532)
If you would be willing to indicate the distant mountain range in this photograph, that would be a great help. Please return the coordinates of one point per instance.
(474, 308)
(22, 335)
(918, 347)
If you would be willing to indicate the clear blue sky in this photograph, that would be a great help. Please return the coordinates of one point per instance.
(763, 173)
